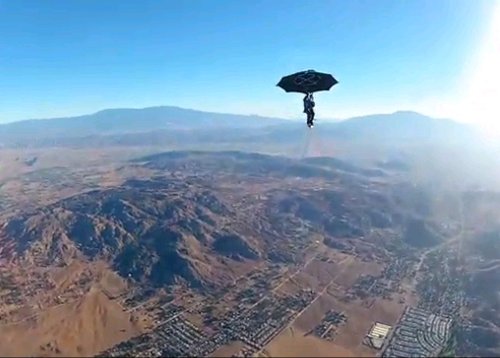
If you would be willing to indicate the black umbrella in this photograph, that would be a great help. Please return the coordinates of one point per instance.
(307, 81)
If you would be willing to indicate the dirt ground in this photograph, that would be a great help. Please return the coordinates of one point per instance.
(349, 337)
(80, 328)
(293, 343)
(228, 350)
(361, 315)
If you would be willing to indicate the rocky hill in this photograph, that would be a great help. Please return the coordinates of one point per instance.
(154, 231)
(135, 240)
(201, 212)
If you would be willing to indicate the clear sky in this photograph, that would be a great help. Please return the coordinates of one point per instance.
(62, 58)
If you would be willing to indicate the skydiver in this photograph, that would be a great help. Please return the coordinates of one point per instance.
(309, 109)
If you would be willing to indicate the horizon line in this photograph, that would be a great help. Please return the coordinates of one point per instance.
(329, 119)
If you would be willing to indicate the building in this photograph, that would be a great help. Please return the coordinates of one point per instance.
(377, 335)
(419, 333)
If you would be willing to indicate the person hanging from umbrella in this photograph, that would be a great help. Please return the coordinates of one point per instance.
(309, 109)
(308, 82)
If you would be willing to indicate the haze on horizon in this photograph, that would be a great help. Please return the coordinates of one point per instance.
(70, 58)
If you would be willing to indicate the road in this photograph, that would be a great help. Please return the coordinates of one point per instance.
(34, 315)
(458, 237)
(348, 259)
(286, 279)
(169, 319)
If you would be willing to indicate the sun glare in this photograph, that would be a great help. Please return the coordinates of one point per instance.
(480, 99)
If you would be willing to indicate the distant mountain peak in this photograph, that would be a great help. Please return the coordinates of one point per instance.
(129, 120)
(409, 113)
(168, 124)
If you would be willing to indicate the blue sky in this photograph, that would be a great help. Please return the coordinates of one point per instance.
(62, 58)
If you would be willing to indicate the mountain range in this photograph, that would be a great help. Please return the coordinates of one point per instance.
(165, 229)
(119, 121)
(155, 124)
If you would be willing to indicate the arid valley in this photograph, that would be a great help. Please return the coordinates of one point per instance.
(126, 250)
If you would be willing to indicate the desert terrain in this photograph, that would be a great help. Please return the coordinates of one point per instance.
(234, 247)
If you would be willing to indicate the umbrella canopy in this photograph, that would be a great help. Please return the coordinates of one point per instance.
(307, 81)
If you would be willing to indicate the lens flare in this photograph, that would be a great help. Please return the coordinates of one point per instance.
(480, 99)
